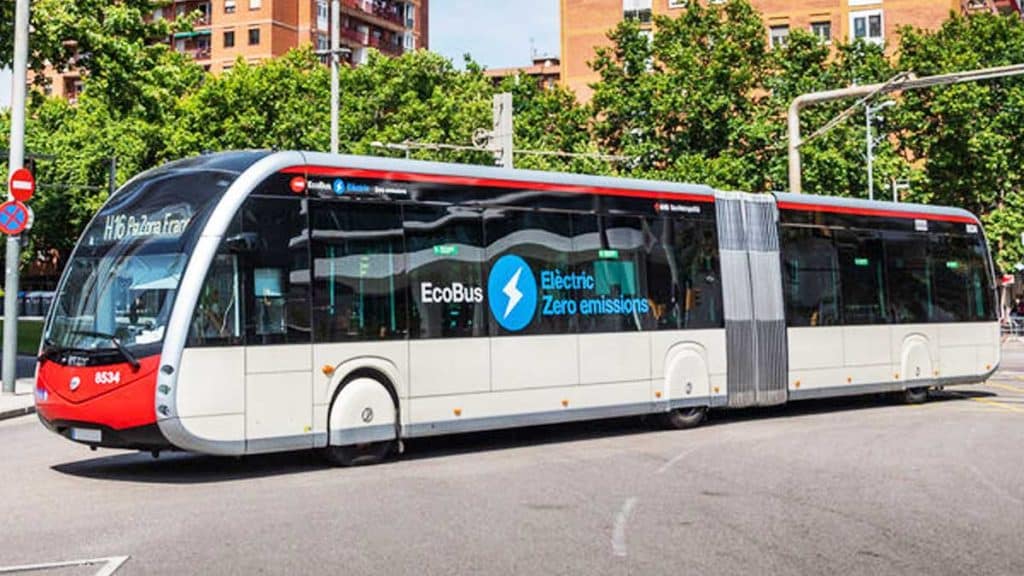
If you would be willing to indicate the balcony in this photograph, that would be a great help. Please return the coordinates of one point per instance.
(379, 12)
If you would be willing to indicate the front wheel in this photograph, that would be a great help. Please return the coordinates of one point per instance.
(682, 418)
(359, 454)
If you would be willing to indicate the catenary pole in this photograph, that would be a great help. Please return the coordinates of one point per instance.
(16, 160)
(904, 81)
(335, 56)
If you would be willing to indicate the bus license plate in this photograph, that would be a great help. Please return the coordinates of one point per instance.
(86, 435)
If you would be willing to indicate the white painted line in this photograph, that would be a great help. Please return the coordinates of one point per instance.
(676, 459)
(993, 486)
(108, 566)
(619, 531)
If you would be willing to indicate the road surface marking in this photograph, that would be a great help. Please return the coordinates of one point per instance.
(1002, 405)
(108, 566)
(1006, 387)
(619, 531)
(675, 459)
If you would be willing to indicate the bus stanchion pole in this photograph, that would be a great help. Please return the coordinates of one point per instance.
(15, 161)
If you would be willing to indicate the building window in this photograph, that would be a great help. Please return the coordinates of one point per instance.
(255, 4)
(229, 38)
(323, 17)
(254, 36)
(867, 25)
(779, 35)
(637, 10)
(823, 31)
(410, 16)
(229, 6)
(322, 42)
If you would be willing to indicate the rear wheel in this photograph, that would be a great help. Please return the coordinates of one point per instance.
(682, 418)
(359, 454)
(915, 395)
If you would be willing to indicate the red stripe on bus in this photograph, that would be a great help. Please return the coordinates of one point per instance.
(493, 182)
(874, 212)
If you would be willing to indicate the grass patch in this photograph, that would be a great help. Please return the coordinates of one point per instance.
(30, 332)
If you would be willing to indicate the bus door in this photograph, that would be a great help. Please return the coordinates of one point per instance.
(755, 325)
(278, 349)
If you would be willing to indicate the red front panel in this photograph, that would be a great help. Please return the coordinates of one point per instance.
(112, 395)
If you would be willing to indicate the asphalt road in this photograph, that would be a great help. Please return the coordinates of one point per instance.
(856, 486)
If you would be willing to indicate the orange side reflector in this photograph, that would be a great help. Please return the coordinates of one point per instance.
(565, 403)
(327, 369)
(458, 411)
(657, 394)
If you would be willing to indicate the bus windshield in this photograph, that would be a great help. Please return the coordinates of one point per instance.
(120, 283)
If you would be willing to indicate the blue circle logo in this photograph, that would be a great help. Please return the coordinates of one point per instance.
(512, 292)
(339, 187)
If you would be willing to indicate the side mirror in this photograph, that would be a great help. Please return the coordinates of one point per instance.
(243, 243)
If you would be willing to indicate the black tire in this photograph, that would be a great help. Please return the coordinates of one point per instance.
(683, 418)
(915, 395)
(359, 454)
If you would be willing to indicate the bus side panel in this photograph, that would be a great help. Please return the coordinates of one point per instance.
(868, 355)
(915, 351)
(711, 345)
(609, 358)
(449, 366)
(552, 361)
(816, 357)
(211, 393)
(389, 358)
(967, 349)
(508, 409)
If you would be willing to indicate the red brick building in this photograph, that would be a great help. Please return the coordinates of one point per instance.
(259, 29)
(585, 23)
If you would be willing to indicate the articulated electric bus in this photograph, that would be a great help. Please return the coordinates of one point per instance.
(252, 302)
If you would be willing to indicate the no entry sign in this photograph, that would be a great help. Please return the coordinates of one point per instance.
(21, 184)
(14, 217)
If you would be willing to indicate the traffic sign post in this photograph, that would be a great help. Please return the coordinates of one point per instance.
(16, 160)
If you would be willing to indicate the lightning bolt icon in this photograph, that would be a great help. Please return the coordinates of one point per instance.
(513, 293)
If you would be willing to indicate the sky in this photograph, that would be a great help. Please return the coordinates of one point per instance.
(5, 88)
(496, 33)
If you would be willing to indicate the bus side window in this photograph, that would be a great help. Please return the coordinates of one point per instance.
(216, 321)
(810, 273)
(276, 271)
(444, 250)
(358, 271)
(683, 274)
(611, 250)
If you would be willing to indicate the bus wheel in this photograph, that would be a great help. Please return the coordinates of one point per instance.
(359, 454)
(915, 395)
(682, 418)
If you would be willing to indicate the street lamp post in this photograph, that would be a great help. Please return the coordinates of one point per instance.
(335, 53)
(869, 112)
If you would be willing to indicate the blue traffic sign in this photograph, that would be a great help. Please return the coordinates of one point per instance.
(13, 217)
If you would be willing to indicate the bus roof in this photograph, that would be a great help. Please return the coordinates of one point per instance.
(468, 174)
(876, 208)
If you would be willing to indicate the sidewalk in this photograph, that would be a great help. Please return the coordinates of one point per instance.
(21, 402)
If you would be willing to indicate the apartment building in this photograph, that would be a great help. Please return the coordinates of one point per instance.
(258, 29)
(585, 23)
(546, 70)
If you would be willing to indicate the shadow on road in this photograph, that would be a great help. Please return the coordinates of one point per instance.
(184, 468)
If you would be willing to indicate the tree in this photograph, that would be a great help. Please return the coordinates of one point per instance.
(971, 136)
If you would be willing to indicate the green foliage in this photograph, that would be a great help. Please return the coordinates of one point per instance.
(970, 134)
(703, 100)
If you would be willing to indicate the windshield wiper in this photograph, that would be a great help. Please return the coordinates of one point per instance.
(51, 350)
(117, 344)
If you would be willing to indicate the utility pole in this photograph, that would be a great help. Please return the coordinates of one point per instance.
(501, 138)
(869, 112)
(903, 81)
(335, 90)
(15, 161)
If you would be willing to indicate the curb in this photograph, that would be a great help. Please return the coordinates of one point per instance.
(15, 413)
